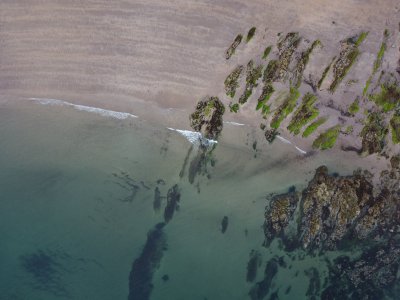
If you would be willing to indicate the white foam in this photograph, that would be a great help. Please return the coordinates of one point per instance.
(300, 150)
(194, 137)
(234, 123)
(96, 110)
(283, 139)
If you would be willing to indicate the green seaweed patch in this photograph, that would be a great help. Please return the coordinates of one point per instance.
(231, 82)
(266, 94)
(354, 107)
(388, 97)
(373, 134)
(250, 34)
(234, 107)
(325, 72)
(303, 61)
(252, 76)
(314, 126)
(348, 55)
(285, 108)
(395, 128)
(270, 72)
(304, 114)
(231, 50)
(367, 84)
(267, 51)
(327, 139)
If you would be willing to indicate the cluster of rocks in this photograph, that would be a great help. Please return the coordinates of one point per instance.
(344, 213)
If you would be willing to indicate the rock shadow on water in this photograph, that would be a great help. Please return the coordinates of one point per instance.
(144, 267)
(46, 269)
(173, 199)
(157, 199)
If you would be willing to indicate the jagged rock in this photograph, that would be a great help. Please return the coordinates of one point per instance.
(207, 117)
(270, 134)
(278, 215)
(373, 134)
(261, 288)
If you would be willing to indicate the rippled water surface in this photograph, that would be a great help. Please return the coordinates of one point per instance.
(85, 197)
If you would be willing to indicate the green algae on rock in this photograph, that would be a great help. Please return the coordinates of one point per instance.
(348, 55)
(389, 96)
(325, 72)
(304, 114)
(233, 46)
(355, 106)
(285, 108)
(234, 107)
(286, 48)
(327, 139)
(250, 34)
(207, 117)
(271, 71)
(252, 75)
(270, 134)
(266, 94)
(267, 51)
(395, 128)
(302, 63)
(314, 126)
(381, 52)
(231, 82)
(373, 134)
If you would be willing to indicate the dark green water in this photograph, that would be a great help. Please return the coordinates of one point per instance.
(77, 192)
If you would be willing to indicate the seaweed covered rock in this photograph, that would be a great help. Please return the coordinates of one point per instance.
(286, 48)
(207, 117)
(270, 134)
(336, 210)
(231, 50)
(373, 134)
(278, 214)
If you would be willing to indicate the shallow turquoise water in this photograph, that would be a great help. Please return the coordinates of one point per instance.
(77, 193)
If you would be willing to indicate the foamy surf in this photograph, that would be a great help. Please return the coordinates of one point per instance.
(290, 143)
(195, 138)
(100, 111)
(233, 123)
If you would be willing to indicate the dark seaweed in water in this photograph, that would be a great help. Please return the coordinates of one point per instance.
(46, 269)
(261, 288)
(157, 199)
(173, 198)
(143, 268)
(252, 265)
(224, 224)
(315, 283)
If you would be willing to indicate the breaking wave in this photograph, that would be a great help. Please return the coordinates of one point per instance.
(196, 138)
(96, 110)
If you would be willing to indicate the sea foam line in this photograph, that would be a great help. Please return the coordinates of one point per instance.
(289, 142)
(234, 123)
(100, 111)
(195, 138)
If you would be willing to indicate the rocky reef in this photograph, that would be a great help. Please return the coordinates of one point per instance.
(173, 198)
(343, 214)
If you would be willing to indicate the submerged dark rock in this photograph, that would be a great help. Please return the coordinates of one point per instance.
(201, 162)
(144, 267)
(253, 265)
(224, 224)
(261, 288)
(173, 198)
(367, 277)
(207, 117)
(314, 284)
